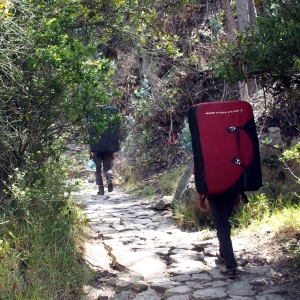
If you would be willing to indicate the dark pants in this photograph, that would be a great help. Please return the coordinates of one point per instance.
(221, 208)
(104, 158)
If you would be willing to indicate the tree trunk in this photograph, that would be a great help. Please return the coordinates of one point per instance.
(199, 39)
(243, 14)
(246, 14)
(231, 23)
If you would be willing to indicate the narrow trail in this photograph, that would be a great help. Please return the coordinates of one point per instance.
(139, 253)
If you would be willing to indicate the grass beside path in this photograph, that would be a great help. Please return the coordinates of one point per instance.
(41, 232)
(163, 184)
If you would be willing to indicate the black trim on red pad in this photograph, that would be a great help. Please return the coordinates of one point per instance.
(200, 179)
(249, 178)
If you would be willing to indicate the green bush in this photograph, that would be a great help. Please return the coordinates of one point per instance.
(40, 237)
(268, 49)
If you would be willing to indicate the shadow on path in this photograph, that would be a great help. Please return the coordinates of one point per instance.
(139, 253)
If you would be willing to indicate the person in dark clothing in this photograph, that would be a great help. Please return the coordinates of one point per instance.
(104, 159)
(103, 149)
(221, 207)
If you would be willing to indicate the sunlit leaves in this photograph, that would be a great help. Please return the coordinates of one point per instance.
(53, 76)
(269, 47)
(292, 154)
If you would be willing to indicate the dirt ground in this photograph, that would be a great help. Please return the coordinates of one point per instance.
(278, 251)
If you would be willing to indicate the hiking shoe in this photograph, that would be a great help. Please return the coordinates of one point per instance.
(220, 257)
(229, 272)
(101, 190)
(110, 186)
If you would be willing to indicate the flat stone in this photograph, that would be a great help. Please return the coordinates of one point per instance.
(147, 264)
(130, 277)
(163, 286)
(142, 221)
(127, 241)
(239, 244)
(140, 213)
(179, 297)
(188, 267)
(167, 214)
(91, 293)
(201, 277)
(181, 278)
(112, 282)
(180, 290)
(270, 297)
(261, 270)
(156, 218)
(215, 274)
(149, 295)
(190, 284)
(102, 298)
(162, 252)
(241, 289)
(274, 290)
(111, 220)
(183, 251)
(182, 257)
(122, 285)
(240, 298)
(155, 224)
(261, 281)
(207, 294)
(122, 228)
(212, 261)
(184, 246)
(214, 284)
(141, 243)
(205, 244)
(211, 250)
(139, 286)
(96, 254)
(139, 227)
(125, 295)
(106, 229)
(163, 203)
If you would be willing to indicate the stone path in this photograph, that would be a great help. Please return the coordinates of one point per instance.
(138, 253)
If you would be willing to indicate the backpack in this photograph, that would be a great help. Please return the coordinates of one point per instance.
(225, 147)
(108, 141)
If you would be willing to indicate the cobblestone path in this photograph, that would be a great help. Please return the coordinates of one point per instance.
(139, 253)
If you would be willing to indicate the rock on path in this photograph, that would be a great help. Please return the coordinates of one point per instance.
(139, 253)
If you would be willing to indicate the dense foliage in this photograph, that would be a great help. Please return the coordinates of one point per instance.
(63, 59)
(267, 50)
(50, 80)
(41, 238)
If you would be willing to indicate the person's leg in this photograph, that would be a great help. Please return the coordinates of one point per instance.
(107, 166)
(97, 156)
(221, 209)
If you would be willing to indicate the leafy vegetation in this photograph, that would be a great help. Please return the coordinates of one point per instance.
(50, 78)
(267, 50)
(292, 154)
(153, 59)
(261, 207)
(51, 85)
(41, 238)
(163, 184)
(187, 215)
